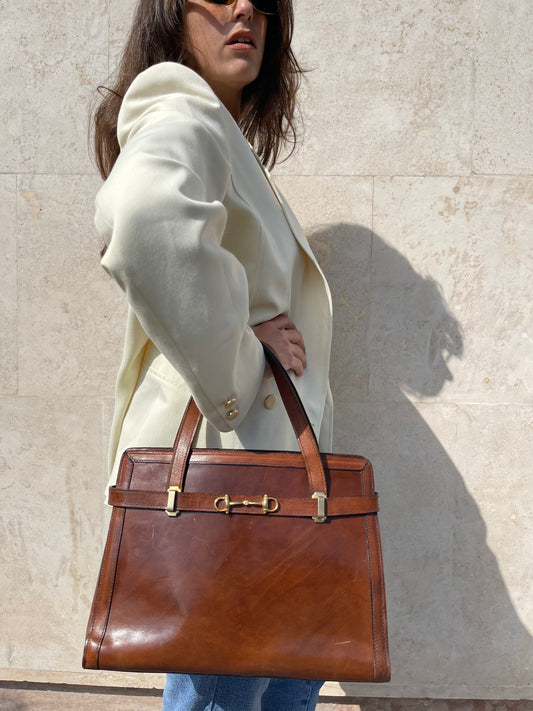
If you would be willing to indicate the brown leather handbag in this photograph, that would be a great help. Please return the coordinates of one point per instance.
(247, 563)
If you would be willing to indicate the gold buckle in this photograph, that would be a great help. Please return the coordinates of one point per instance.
(264, 503)
(171, 509)
(321, 507)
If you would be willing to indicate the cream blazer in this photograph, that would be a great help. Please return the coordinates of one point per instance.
(204, 246)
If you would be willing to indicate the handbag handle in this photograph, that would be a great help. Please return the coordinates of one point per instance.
(297, 416)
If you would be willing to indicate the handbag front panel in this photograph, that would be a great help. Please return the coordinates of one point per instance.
(250, 595)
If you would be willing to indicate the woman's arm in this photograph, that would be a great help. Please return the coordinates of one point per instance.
(162, 216)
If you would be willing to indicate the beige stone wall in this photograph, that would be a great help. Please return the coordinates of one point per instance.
(414, 182)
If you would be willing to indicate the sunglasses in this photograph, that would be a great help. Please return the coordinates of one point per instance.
(266, 7)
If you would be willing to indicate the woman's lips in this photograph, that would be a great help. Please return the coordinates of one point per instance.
(241, 40)
(241, 46)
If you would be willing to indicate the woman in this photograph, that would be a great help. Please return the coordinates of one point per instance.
(209, 254)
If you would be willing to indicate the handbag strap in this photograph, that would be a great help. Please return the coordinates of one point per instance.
(297, 416)
(301, 425)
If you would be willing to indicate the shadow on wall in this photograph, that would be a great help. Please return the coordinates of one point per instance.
(451, 621)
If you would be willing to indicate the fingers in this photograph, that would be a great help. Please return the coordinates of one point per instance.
(281, 335)
(284, 323)
(298, 361)
(296, 338)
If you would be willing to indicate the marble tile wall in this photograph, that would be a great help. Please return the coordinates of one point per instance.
(414, 184)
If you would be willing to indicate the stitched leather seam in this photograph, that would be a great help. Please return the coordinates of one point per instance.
(113, 556)
(238, 460)
(112, 587)
(371, 586)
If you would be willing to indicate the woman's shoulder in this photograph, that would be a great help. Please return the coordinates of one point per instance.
(168, 78)
(168, 91)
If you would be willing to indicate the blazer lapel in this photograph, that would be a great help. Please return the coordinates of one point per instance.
(293, 223)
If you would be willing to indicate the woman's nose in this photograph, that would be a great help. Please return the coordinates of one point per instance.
(243, 8)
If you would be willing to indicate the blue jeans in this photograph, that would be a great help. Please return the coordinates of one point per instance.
(190, 692)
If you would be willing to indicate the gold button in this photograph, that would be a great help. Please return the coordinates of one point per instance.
(230, 402)
(232, 414)
(270, 401)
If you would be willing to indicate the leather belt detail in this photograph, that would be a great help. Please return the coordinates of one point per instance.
(192, 501)
(268, 504)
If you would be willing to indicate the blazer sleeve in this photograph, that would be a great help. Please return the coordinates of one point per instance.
(162, 216)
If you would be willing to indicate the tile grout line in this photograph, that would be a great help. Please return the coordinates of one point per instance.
(371, 290)
(17, 306)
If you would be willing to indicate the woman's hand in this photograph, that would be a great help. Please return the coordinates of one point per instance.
(281, 336)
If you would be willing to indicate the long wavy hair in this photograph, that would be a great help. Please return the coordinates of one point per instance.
(267, 117)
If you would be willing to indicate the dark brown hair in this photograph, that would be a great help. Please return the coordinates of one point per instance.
(157, 35)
